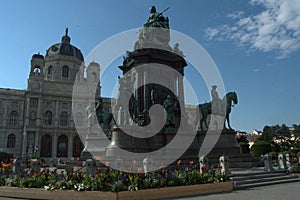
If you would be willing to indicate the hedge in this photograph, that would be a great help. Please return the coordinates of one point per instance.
(260, 148)
(5, 156)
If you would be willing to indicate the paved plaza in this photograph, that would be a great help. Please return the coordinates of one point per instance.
(290, 191)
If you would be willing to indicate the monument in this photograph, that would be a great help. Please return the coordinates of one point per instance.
(153, 79)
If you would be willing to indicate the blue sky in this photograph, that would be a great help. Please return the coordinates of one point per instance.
(255, 45)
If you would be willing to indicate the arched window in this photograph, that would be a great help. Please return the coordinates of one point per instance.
(79, 119)
(77, 146)
(50, 70)
(65, 72)
(37, 69)
(48, 117)
(13, 118)
(11, 141)
(46, 146)
(62, 146)
(64, 119)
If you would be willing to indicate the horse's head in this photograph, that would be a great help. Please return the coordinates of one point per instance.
(232, 96)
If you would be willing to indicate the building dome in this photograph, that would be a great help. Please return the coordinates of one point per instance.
(38, 56)
(65, 48)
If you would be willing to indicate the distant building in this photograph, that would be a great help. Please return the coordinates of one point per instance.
(39, 120)
(256, 132)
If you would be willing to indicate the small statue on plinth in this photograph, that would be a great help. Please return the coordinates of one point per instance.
(148, 164)
(204, 165)
(91, 113)
(281, 162)
(224, 165)
(268, 163)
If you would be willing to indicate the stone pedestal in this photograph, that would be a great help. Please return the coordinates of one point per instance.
(95, 146)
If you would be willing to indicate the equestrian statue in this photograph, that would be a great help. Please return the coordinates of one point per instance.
(218, 107)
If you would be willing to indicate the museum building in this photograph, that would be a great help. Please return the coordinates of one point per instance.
(39, 121)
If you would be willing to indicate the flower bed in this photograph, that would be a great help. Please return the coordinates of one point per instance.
(111, 184)
(108, 180)
(148, 194)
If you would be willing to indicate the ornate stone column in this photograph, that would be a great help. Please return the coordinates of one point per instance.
(39, 117)
(56, 118)
(70, 145)
(180, 89)
(146, 99)
(54, 145)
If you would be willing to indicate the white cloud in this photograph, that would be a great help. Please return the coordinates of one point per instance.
(275, 28)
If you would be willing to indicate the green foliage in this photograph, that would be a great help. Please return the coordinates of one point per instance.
(35, 181)
(5, 156)
(260, 148)
(110, 180)
(244, 147)
(273, 155)
(267, 134)
(296, 170)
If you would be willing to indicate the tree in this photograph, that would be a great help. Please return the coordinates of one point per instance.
(242, 138)
(267, 134)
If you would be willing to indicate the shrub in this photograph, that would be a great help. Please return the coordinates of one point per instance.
(244, 147)
(260, 148)
(294, 151)
(5, 156)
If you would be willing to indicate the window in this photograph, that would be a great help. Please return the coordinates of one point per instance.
(79, 119)
(77, 146)
(15, 104)
(11, 141)
(33, 101)
(62, 146)
(64, 119)
(37, 70)
(13, 118)
(65, 105)
(46, 146)
(50, 70)
(48, 117)
(65, 72)
(49, 103)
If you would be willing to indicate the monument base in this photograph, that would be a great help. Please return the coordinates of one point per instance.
(212, 144)
(95, 147)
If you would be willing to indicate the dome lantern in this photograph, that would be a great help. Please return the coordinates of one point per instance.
(66, 38)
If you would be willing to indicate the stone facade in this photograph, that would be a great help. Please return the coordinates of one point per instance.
(39, 120)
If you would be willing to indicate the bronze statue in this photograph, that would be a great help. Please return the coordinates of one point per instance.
(170, 107)
(155, 31)
(104, 118)
(206, 109)
(156, 19)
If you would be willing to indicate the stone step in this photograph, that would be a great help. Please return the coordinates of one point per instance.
(264, 179)
(259, 184)
(257, 176)
(246, 180)
(245, 164)
(250, 172)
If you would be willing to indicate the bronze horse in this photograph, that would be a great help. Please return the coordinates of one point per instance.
(205, 109)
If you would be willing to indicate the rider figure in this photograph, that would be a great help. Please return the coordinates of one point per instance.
(216, 101)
